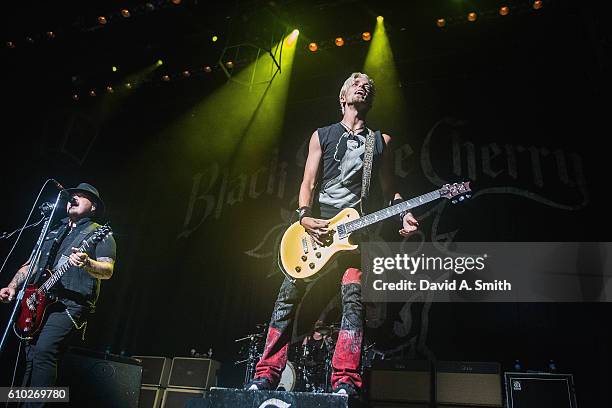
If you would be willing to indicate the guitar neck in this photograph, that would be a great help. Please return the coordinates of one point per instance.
(389, 212)
(60, 270)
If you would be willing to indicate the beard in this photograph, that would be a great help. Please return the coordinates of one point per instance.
(360, 102)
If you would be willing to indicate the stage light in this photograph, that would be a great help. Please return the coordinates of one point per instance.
(313, 46)
(166, 78)
(366, 36)
(472, 16)
(149, 6)
(214, 38)
(207, 69)
(538, 4)
(10, 44)
(114, 68)
(109, 89)
(30, 40)
(229, 64)
(50, 34)
(504, 10)
(177, 2)
(125, 13)
(159, 63)
(339, 41)
(128, 85)
(75, 97)
(441, 22)
(380, 19)
(186, 73)
(390, 105)
(92, 93)
(291, 38)
(102, 20)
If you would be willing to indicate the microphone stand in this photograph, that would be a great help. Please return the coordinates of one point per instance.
(7, 235)
(34, 258)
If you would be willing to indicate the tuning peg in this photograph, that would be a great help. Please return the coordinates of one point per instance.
(461, 198)
(468, 196)
(454, 201)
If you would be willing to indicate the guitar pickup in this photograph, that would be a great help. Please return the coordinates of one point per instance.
(304, 245)
(314, 244)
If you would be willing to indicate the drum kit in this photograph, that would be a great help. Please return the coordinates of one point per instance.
(308, 366)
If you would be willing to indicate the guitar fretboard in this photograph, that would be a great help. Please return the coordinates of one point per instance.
(388, 212)
(60, 271)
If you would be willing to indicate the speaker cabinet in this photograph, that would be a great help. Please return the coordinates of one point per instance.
(539, 390)
(409, 382)
(179, 397)
(468, 384)
(155, 370)
(200, 373)
(100, 379)
(150, 397)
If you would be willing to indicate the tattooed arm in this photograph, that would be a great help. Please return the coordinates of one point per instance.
(100, 268)
(8, 294)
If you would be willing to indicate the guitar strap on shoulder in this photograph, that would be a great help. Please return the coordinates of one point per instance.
(367, 167)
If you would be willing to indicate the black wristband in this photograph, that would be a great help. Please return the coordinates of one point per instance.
(303, 212)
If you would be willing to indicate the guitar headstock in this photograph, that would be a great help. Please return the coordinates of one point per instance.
(101, 233)
(456, 192)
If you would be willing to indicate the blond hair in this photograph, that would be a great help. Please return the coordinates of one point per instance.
(349, 81)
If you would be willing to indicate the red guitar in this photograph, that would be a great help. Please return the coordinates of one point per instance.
(36, 299)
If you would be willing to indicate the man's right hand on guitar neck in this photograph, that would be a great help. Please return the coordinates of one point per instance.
(316, 228)
(7, 295)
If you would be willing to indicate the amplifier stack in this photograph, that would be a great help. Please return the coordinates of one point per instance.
(450, 384)
(170, 383)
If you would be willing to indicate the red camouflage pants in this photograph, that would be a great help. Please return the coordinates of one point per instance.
(347, 355)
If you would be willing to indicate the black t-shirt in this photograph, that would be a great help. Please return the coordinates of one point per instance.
(342, 166)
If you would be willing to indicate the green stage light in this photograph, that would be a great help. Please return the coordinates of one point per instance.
(389, 105)
(159, 63)
(214, 38)
(292, 37)
(239, 124)
(114, 68)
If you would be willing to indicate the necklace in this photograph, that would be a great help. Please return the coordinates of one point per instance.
(351, 131)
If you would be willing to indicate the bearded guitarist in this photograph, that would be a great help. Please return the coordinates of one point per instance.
(76, 291)
(336, 162)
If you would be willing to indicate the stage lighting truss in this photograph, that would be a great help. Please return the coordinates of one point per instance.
(156, 78)
(332, 43)
(91, 23)
(501, 11)
(249, 56)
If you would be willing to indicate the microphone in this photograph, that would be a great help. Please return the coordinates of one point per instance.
(58, 184)
(60, 187)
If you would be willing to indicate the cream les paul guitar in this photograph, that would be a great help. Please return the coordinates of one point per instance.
(301, 257)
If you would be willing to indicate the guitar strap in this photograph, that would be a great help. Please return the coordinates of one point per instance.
(367, 168)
